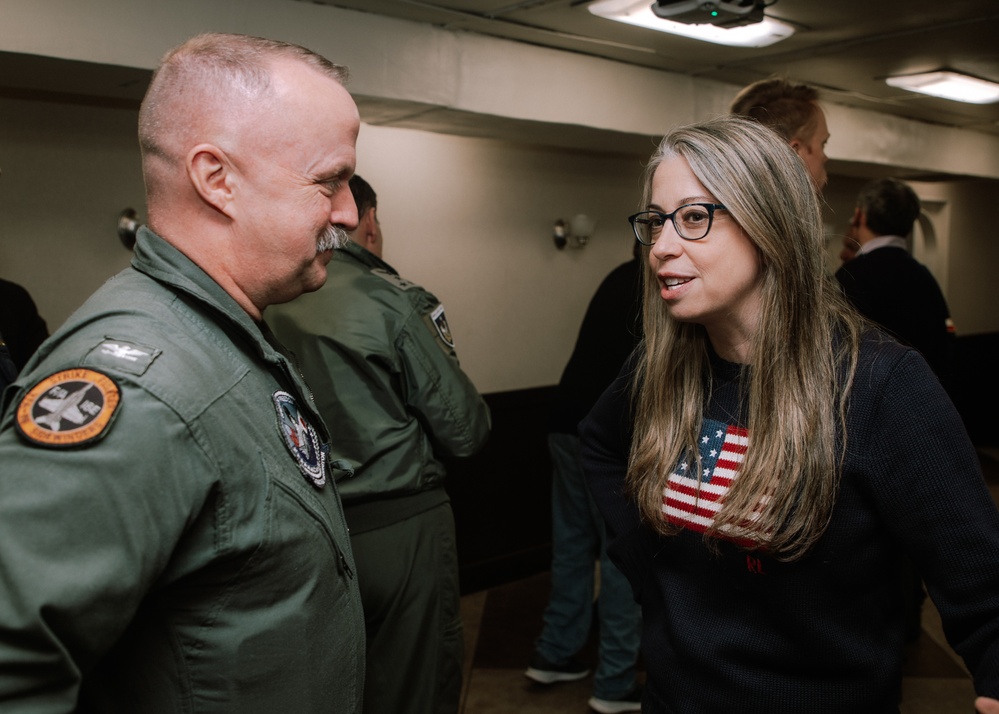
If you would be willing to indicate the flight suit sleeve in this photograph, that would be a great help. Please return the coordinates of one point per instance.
(86, 530)
(449, 407)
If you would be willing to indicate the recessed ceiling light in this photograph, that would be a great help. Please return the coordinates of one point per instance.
(949, 85)
(639, 12)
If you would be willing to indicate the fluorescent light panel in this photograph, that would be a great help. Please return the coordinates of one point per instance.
(640, 13)
(949, 85)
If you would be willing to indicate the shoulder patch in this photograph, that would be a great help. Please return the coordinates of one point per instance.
(393, 279)
(70, 408)
(301, 439)
(121, 354)
(440, 323)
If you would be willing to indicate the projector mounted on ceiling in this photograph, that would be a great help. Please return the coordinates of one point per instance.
(736, 23)
(721, 13)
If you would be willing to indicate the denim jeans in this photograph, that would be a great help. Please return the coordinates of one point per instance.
(578, 540)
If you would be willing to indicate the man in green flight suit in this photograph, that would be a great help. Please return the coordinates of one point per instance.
(378, 353)
(171, 539)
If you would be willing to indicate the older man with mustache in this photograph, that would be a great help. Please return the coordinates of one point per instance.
(170, 535)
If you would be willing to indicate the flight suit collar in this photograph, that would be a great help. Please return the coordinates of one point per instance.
(161, 261)
(364, 256)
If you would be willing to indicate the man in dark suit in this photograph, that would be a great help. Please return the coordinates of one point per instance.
(887, 284)
(894, 290)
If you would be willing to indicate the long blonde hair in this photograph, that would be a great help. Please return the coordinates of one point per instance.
(804, 351)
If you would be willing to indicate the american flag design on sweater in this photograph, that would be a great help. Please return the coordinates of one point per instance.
(691, 499)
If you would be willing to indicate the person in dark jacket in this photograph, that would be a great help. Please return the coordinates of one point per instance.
(22, 328)
(887, 284)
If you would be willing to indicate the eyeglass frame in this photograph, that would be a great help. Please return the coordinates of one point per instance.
(710, 207)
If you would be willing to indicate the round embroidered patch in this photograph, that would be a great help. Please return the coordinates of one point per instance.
(301, 439)
(69, 408)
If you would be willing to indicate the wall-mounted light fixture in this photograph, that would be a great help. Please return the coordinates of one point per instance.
(760, 33)
(575, 233)
(948, 85)
(128, 226)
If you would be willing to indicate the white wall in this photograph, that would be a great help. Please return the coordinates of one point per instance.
(396, 61)
(471, 220)
(68, 171)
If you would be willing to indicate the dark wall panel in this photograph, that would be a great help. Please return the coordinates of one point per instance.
(976, 387)
(502, 496)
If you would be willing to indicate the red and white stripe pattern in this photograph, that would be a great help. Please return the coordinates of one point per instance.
(722, 448)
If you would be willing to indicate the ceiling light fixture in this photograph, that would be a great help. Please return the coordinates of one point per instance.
(948, 85)
(639, 12)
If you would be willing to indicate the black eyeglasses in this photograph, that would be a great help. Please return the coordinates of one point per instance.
(692, 221)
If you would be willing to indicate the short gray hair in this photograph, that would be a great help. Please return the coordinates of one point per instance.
(216, 66)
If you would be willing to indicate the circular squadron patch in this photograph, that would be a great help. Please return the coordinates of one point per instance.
(301, 439)
(69, 408)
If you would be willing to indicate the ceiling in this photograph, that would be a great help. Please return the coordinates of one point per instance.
(841, 48)
(845, 48)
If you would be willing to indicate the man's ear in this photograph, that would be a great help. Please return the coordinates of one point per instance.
(211, 175)
(858, 218)
(368, 225)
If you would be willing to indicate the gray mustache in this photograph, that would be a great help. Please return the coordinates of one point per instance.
(333, 237)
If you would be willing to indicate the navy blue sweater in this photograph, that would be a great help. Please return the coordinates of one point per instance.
(740, 631)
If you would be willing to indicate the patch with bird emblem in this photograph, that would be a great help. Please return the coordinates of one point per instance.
(122, 355)
(74, 407)
(301, 439)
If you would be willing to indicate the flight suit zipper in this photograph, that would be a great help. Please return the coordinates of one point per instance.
(342, 565)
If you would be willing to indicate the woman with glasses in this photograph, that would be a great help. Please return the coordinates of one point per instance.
(767, 459)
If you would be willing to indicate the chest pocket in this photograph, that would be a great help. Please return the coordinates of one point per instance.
(297, 601)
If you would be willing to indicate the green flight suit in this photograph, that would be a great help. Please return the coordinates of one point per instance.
(377, 351)
(171, 539)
